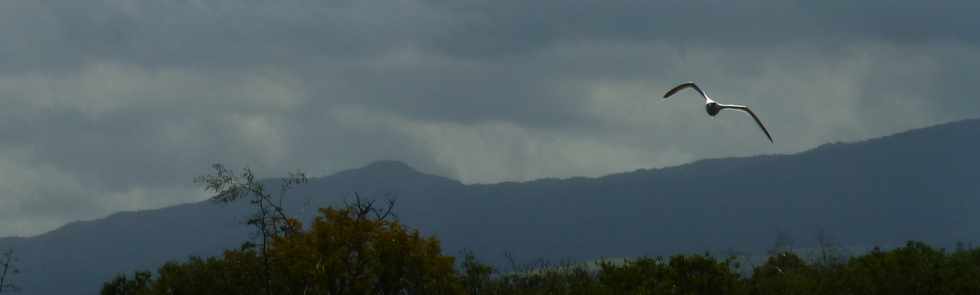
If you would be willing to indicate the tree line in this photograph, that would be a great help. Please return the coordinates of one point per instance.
(359, 248)
(348, 252)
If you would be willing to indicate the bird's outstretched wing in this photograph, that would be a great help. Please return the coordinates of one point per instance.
(685, 85)
(747, 110)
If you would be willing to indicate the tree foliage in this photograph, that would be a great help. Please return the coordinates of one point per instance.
(269, 218)
(361, 248)
(358, 249)
(346, 251)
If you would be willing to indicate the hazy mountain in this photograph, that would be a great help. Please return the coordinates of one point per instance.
(914, 185)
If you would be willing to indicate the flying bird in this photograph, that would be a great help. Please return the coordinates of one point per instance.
(713, 107)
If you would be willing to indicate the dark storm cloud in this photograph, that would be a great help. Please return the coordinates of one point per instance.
(474, 93)
(117, 104)
(508, 27)
(230, 33)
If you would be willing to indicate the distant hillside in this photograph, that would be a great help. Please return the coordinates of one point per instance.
(916, 185)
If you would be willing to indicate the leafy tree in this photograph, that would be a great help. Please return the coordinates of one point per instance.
(913, 269)
(476, 277)
(785, 273)
(269, 219)
(641, 276)
(361, 250)
(962, 272)
(237, 272)
(682, 274)
(121, 285)
(358, 249)
(702, 274)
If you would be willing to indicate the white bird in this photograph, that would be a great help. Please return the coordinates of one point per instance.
(713, 107)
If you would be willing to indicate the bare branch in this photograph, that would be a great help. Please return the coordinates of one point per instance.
(383, 214)
(7, 270)
(269, 219)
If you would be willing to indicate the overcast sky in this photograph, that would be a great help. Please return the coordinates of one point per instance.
(117, 104)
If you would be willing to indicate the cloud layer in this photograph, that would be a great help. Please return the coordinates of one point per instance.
(117, 104)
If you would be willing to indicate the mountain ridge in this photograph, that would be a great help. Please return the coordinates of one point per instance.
(395, 167)
(910, 185)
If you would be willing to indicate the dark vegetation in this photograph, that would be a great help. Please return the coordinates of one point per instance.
(349, 252)
(360, 248)
(8, 268)
(355, 251)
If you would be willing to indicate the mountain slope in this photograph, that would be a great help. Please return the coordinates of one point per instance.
(913, 185)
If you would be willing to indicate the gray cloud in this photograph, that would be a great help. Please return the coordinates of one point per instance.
(117, 104)
(495, 28)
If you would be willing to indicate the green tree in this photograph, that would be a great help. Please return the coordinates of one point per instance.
(361, 250)
(476, 277)
(682, 274)
(358, 249)
(784, 273)
(121, 285)
(702, 274)
(912, 269)
(269, 218)
(640, 276)
(962, 272)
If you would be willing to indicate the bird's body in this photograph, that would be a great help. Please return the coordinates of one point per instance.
(713, 107)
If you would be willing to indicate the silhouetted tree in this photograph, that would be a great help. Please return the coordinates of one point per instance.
(915, 268)
(476, 277)
(269, 219)
(783, 273)
(121, 285)
(637, 276)
(8, 268)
